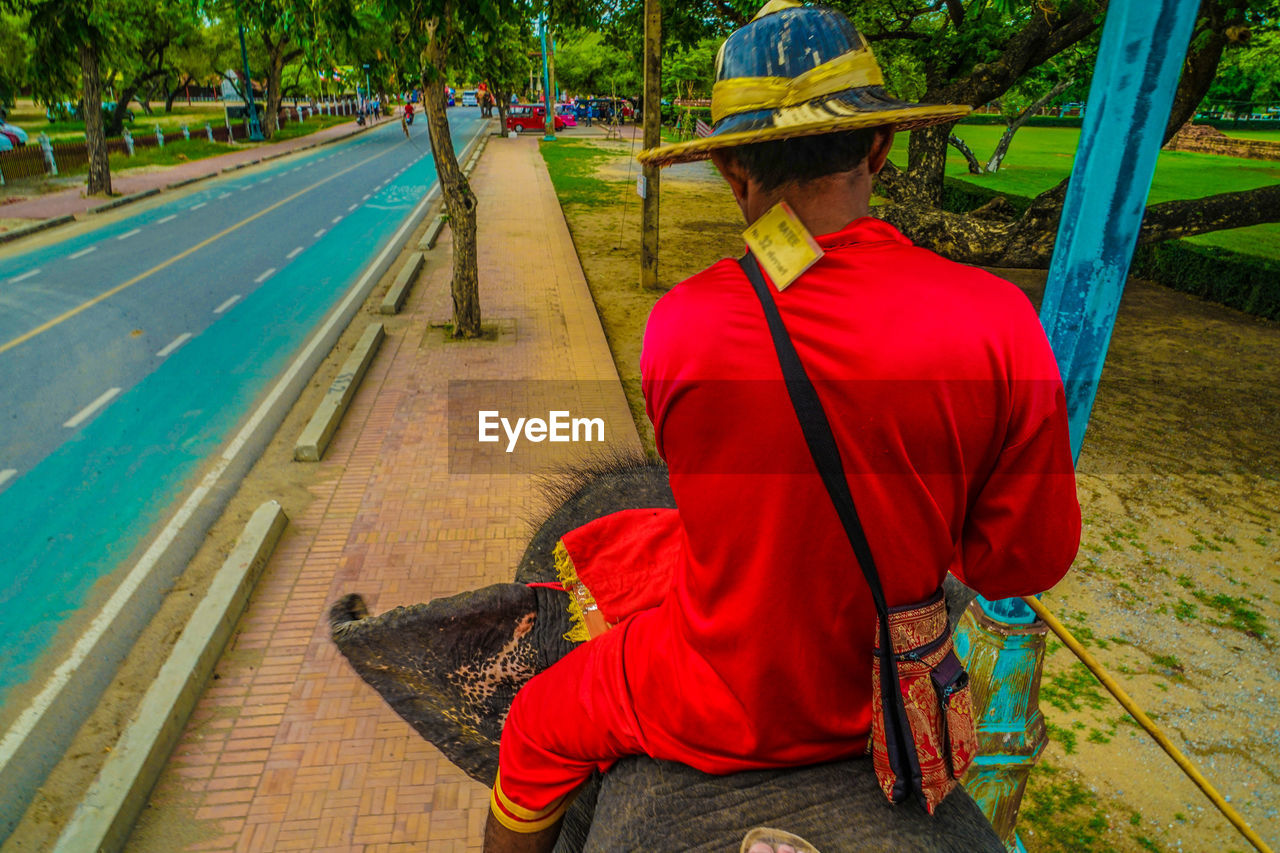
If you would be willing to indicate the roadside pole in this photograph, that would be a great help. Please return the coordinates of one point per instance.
(550, 127)
(652, 137)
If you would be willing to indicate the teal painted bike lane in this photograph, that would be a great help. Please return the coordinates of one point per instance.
(71, 523)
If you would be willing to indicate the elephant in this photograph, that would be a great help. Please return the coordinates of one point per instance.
(451, 668)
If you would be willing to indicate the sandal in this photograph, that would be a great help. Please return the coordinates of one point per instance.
(775, 838)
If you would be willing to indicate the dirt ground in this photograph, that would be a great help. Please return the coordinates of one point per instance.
(1177, 585)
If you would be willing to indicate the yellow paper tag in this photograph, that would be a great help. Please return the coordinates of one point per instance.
(782, 245)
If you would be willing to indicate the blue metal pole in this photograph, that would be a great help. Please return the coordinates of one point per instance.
(546, 87)
(255, 127)
(1139, 62)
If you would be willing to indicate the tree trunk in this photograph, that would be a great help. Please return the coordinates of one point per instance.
(926, 163)
(1002, 147)
(275, 71)
(459, 201)
(186, 80)
(975, 168)
(95, 139)
(502, 100)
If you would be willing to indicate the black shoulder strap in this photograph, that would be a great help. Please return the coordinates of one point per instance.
(826, 455)
(817, 433)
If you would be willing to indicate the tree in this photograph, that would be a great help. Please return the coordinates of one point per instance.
(15, 46)
(70, 36)
(149, 31)
(587, 64)
(504, 61)
(283, 31)
(975, 53)
(437, 37)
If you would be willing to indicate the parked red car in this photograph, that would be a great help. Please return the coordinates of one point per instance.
(522, 117)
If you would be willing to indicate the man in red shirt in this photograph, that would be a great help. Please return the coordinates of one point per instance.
(946, 405)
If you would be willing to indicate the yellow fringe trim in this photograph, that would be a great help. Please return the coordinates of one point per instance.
(568, 575)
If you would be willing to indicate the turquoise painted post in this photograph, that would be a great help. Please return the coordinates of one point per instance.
(546, 88)
(1139, 62)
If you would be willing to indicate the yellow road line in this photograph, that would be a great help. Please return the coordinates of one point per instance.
(107, 294)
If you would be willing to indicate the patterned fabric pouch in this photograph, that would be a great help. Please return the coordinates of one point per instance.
(935, 695)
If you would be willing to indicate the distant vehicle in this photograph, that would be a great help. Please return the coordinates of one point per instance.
(470, 98)
(11, 136)
(606, 108)
(522, 117)
(566, 112)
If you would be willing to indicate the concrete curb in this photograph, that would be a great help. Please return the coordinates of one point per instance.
(35, 228)
(123, 200)
(429, 239)
(188, 181)
(237, 167)
(319, 430)
(105, 816)
(400, 287)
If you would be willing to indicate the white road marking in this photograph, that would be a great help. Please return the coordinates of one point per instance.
(294, 169)
(265, 180)
(246, 187)
(224, 306)
(266, 275)
(354, 206)
(89, 410)
(174, 344)
(197, 206)
(6, 475)
(337, 219)
(224, 195)
(169, 218)
(26, 275)
(294, 253)
(126, 235)
(320, 232)
(365, 197)
(82, 252)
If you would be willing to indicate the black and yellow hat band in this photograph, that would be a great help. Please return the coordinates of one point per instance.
(855, 69)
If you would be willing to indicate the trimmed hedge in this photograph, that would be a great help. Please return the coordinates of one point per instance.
(1034, 121)
(1247, 283)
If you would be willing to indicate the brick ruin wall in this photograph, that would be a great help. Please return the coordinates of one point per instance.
(1204, 139)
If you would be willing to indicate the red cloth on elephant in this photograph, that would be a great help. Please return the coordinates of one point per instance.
(948, 409)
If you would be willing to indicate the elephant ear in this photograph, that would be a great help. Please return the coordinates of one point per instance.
(451, 667)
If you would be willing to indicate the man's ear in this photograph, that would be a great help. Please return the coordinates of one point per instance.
(879, 151)
(734, 176)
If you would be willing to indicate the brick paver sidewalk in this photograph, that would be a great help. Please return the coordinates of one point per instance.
(288, 749)
(72, 201)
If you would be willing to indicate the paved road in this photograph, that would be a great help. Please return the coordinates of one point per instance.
(129, 354)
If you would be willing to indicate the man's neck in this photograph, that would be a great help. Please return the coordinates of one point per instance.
(825, 205)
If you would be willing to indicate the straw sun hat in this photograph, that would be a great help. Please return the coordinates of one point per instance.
(792, 71)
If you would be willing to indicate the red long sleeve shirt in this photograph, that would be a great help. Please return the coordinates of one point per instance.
(948, 409)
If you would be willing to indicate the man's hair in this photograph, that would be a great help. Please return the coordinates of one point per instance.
(780, 162)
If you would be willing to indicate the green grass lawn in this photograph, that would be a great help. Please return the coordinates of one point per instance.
(177, 150)
(1041, 156)
(30, 117)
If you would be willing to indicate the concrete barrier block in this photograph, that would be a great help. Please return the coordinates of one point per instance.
(400, 287)
(319, 431)
(433, 233)
(103, 819)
